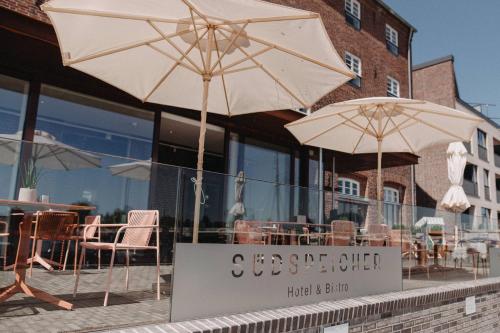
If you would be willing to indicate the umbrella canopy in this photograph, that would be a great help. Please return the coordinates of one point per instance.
(139, 170)
(222, 56)
(383, 124)
(455, 198)
(47, 152)
(429, 221)
(238, 209)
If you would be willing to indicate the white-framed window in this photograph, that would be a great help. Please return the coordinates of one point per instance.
(354, 8)
(392, 207)
(392, 87)
(353, 62)
(348, 186)
(486, 181)
(391, 35)
(485, 218)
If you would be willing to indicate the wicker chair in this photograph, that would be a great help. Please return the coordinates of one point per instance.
(377, 234)
(88, 234)
(343, 233)
(4, 234)
(248, 232)
(136, 236)
(51, 226)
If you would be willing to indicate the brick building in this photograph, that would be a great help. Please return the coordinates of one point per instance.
(435, 81)
(373, 39)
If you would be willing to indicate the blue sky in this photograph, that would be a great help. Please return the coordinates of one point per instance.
(468, 29)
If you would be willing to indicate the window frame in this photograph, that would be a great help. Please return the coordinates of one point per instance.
(344, 180)
(479, 132)
(350, 8)
(390, 82)
(389, 33)
(353, 58)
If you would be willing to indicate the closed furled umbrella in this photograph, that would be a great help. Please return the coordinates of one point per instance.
(383, 124)
(227, 57)
(455, 198)
(238, 209)
(47, 152)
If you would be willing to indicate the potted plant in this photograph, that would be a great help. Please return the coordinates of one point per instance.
(436, 230)
(29, 182)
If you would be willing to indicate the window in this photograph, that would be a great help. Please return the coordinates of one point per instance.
(354, 64)
(101, 127)
(470, 180)
(485, 219)
(392, 206)
(391, 37)
(348, 186)
(353, 13)
(13, 96)
(392, 87)
(482, 149)
(486, 176)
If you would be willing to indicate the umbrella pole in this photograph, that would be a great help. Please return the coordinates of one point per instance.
(199, 166)
(379, 182)
(207, 76)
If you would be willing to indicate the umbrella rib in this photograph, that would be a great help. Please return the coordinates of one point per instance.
(364, 132)
(331, 128)
(198, 38)
(363, 112)
(265, 70)
(231, 43)
(347, 73)
(443, 114)
(121, 48)
(432, 126)
(403, 123)
(237, 70)
(356, 126)
(222, 75)
(171, 69)
(168, 40)
(46, 8)
(225, 68)
(55, 154)
(266, 19)
(171, 57)
(399, 131)
(311, 118)
(386, 123)
(192, 9)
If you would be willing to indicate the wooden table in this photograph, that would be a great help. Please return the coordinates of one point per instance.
(23, 251)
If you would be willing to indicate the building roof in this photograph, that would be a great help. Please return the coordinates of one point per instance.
(473, 110)
(393, 12)
(433, 62)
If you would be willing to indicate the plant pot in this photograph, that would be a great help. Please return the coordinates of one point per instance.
(27, 194)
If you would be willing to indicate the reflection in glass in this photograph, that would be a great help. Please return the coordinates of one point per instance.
(100, 126)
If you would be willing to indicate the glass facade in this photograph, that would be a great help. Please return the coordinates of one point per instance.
(13, 99)
(89, 124)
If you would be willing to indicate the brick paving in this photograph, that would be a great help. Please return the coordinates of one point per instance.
(135, 306)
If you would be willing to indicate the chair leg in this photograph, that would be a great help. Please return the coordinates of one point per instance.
(127, 263)
(108, 284)
(32, 256)
(78, 272)
(66, 255)
(157, 272)
(76, 257)
(99, 259)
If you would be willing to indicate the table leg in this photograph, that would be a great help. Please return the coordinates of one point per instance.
(20, 286)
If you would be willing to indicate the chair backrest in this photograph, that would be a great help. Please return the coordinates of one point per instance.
(377, 234)
(400, 238)
(140, 236)
(247, 232)
(53, 225)
(343, 226)
(92, 220)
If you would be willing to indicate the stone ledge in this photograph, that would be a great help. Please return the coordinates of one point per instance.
(328, 313)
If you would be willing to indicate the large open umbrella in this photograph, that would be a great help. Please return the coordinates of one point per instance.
(383, 124)
(222, 56)
(47, 152)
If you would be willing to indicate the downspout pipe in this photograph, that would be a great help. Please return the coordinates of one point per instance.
(410, 95)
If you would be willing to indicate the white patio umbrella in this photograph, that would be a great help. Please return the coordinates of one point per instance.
(383, 124)
(47, 152)
(139, 170)
(227, 57)
(455, 198)
(238, 209)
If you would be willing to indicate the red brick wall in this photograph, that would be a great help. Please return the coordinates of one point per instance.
(436, 84)
(25, 7)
